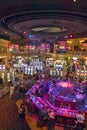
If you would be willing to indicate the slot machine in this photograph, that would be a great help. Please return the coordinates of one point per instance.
(3, 76)
(26, 70)
(61, 72)
(54, 73)
(4, 68)
(58, 72)
(51, 72)
(8, 77)
(29, 69)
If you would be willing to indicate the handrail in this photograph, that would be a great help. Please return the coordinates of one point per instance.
(41, 53)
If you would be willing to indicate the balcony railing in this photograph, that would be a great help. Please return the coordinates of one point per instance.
(40, 53)
(77, 52)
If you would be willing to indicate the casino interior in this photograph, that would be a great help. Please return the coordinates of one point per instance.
(43, 53)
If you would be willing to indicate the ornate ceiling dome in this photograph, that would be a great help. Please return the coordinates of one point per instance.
(31, 21)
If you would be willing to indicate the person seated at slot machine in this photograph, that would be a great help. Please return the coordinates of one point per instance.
(12, 88)
(22, 111)
(31, 107)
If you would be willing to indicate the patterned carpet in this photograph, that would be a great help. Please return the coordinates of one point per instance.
(9, 118)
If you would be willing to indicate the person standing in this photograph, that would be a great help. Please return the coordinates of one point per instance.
(11, 90)
(22, 111)
(51, 116)
(80, 124)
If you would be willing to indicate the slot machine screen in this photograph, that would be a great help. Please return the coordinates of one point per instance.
(31, 71)
(58, 66)
(26, 71)
(41, 68)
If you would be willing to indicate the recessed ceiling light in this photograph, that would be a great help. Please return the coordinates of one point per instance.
(74, 0)
(5, 32)
(24, 32)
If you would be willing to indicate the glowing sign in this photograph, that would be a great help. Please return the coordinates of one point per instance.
(65, 84)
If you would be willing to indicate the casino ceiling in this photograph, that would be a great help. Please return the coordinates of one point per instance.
(37, 21)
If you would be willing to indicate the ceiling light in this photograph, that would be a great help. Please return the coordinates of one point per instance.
(71, 36)
(5, 32)
(24, 32)
(66, 36)
(74, 0)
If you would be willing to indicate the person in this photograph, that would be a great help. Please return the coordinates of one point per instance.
(80, 123)
(22, 111)
(51, 116)
(44, 113)
(11, 90)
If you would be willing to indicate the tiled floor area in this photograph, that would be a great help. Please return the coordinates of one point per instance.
(3, 91)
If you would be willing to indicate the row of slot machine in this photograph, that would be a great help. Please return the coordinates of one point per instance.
(56, 73)
(31, 70)
(2, 67)
(3, 74)
(81, 73)
(36, 65)
(57, 70)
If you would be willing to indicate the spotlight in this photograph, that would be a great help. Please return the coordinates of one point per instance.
(74, 0)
